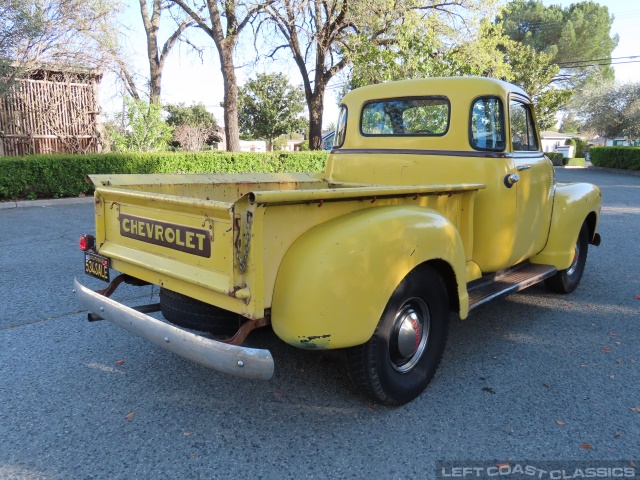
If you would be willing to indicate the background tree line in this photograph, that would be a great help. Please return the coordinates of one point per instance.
(548, 50)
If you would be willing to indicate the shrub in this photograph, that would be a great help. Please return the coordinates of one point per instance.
(627, 158)
(571, 142)
(53, 176)
(581, 146)
(193, 126)
(145, 132)
(557, 159)
(278, 144)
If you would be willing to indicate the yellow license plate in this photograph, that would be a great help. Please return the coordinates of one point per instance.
(96, 265)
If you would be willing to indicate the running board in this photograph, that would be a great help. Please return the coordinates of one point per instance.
(506, 282)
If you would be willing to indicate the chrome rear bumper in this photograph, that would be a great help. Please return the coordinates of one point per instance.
(250, 363)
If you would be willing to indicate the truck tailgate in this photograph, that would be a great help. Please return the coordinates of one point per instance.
(187, 242)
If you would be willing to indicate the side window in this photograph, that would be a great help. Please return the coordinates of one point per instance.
(523, 132)
(487, 124)
(341, 127)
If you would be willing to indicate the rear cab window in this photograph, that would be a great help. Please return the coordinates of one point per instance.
(411, 116)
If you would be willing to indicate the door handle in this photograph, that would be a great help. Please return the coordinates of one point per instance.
(523, 167)
(510, 179)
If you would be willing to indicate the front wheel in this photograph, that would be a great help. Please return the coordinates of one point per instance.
(400, 359)
(566, 281)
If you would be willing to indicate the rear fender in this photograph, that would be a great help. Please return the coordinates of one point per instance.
(573, 204)
(337, 278)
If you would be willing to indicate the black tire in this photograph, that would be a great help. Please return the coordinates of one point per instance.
(566, 281)
(196, 315)
(395, 372)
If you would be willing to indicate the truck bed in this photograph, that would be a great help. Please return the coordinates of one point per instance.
(219, 238)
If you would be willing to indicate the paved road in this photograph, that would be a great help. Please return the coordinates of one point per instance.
(510, 373)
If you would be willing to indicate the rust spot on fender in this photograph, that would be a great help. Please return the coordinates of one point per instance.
(315, 341)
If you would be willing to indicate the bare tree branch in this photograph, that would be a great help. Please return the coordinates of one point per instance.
(156, 56)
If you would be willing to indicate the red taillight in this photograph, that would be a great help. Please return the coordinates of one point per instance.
(87, 242)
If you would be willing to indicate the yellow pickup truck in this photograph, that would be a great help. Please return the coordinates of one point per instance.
(436, 199)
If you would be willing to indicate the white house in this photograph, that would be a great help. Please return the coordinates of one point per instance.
(552, 140)
(327, 139)
(621, 141)
(253, 146)
(293, 145)
(245, 146)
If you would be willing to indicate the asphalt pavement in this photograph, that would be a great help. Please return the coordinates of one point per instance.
(536, 377)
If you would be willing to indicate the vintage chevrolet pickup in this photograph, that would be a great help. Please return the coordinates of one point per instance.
(436, 199)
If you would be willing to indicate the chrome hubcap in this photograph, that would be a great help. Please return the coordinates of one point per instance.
(576, 256)
(409, 334)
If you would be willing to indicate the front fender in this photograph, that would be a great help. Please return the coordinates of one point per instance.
(573, 204)
(336, 279)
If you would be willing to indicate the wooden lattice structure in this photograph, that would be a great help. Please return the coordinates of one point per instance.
(51, 111)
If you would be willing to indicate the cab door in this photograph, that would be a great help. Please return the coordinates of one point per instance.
(533, 180)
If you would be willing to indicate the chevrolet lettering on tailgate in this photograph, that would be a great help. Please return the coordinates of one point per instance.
(178, 237)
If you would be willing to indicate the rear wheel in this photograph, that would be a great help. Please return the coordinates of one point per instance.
(566, 281)
(196, 315)
(400, 359)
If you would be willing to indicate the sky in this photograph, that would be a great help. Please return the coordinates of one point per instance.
(627, 25)
(189, 80)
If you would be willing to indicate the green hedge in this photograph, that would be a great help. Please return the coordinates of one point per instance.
(627, 158)
(556, 158)
(53, 176)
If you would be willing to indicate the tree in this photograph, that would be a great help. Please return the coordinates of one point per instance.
(315, 32)
(18, 27)
(236, 15)
(570, 124)
(322, 36)
(611, 110)
(193, 126)
(532, 71)
(144, 130)
(59, 34)
(578, 37)
(196, 114)
(414, 50)
(55, 32)
(269, 107)
(155, 55)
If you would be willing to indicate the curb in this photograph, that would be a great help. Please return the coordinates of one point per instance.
(620, 171)
(54, 202)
